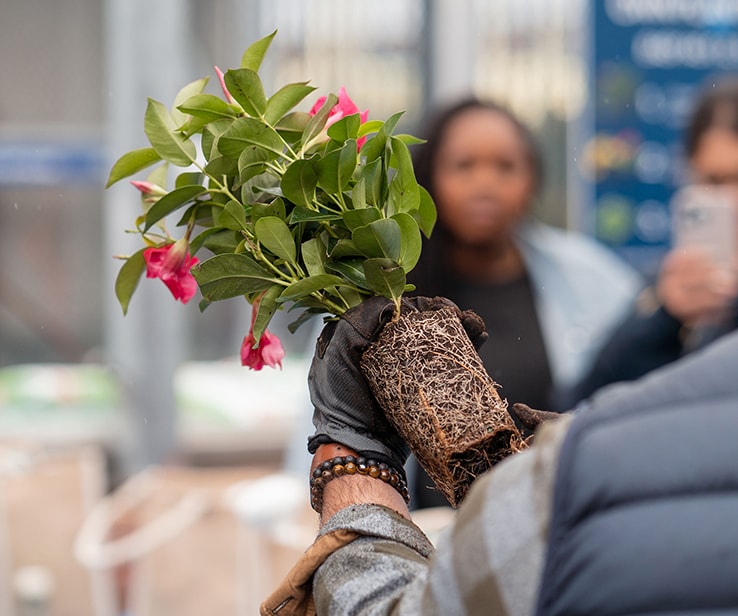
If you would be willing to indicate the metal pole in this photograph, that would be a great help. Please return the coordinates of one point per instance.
(451, 49)
(147, 55)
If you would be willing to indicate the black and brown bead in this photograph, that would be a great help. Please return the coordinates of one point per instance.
(353, 465)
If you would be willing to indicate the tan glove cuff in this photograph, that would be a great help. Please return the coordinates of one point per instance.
(294, 596)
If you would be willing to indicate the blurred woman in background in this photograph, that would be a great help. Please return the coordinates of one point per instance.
(549, 297)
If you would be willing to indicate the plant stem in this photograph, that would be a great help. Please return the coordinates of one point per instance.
(332, 307)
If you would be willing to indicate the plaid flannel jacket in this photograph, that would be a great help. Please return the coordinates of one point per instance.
(370, 560)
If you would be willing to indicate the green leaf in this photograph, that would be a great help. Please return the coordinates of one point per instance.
(245, 86)
(307, 302)
(311, 284)
(404, 193)
(284, 99)
(374, 147)
(409, 139)
(128, 276)
(192, 126)
(254, 55)
(411, 242)
(197, 242)
(352, 270)
(299, 182)
(379, 239)
(317, 122)
(189, 178)
(232, 216)
(375, 179)
(158, 175)
(171, 202)
(293, 124)
(275, 208)
(207, 106)
(167, 141)
(230, 275)
(313, 256)
(353, 296)
(210, 135)
(191, 89)
(305, 316)
(302, 214)
(385, 277)
(220, 166)
(275, 235)
(201, 212)
(344, 248)
(370, 126)
(358, 194)
(220, 241)
(248, 131)
(267, 307)
(426, 213)
(130, 163)
(252, 162)
(359, 218)
(335, 169)
(346, 128)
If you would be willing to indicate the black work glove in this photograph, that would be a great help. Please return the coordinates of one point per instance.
(345, 409)
(532, 418)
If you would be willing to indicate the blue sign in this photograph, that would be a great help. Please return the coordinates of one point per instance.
(648, 60)
(51, 163)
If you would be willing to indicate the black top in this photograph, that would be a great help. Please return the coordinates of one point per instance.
(514, 355)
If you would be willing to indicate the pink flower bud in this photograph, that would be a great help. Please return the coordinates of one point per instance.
(221, 78)
(149, 188)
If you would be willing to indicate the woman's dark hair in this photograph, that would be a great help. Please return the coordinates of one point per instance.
(716, 108)
(432, 273)
(435, 129)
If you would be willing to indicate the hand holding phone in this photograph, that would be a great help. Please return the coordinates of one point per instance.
(698, 280)
(704, 217)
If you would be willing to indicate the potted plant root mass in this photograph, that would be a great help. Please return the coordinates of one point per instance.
(427, 376)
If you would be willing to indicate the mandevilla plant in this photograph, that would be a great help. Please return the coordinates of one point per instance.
(313, 210)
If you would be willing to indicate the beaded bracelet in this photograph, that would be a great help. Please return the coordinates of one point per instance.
(353, 465)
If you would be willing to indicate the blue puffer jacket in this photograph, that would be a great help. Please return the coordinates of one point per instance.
(646, 498)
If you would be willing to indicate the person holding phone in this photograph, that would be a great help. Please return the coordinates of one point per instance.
(695, 297)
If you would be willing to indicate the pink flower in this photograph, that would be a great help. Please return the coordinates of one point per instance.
(172, 264)
(344, 107)
(221, 78)
(268, 352)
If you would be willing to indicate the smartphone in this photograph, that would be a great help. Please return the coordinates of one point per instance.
(705, 217)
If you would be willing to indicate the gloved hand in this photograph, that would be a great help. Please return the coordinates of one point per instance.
(345, 409)
(532, 418)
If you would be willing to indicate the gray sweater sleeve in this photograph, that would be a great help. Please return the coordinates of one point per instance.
(489, 559)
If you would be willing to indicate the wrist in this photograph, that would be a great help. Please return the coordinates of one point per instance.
(340, 477)
(360, 490)
(328, 451)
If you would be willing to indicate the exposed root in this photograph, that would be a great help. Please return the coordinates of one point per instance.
(429, 379)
